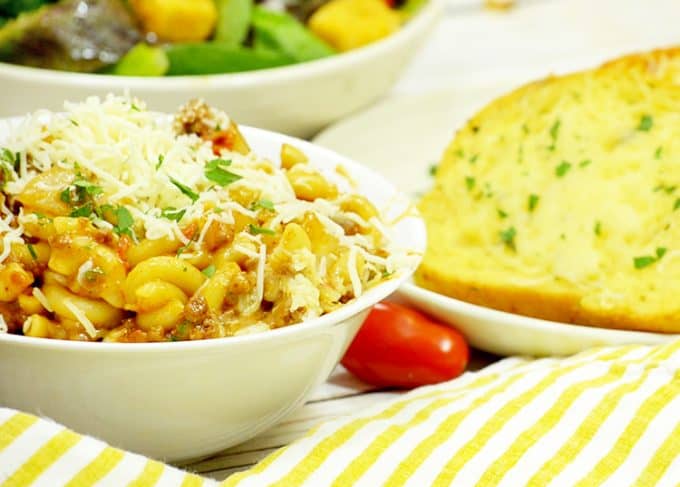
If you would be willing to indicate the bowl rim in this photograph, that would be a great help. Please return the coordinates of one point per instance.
(336, 317)
(423, 19)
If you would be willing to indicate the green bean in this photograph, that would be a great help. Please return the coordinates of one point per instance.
(214, 58)
(283, 33)
(233, 21)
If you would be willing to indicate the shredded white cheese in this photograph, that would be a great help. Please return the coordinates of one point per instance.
(80, 316)
(353, 274)
(26, 326)
(42, 299)
(88, 265)
(260, 273)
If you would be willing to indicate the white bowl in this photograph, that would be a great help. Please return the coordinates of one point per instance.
(182, 400)
(298, 100)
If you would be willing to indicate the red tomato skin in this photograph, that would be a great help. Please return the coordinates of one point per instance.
(400, 347)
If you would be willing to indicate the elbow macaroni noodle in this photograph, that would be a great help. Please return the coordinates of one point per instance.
(121, 227)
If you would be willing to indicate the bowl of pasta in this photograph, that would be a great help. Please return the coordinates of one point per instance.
(175, 284)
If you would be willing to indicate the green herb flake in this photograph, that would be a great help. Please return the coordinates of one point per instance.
(134, 107)
(460, 153)
(432, 171)
(209, 271)
(31, 250)
(469, 182)
(82, 211)
(676, 205)
(501, 213)
(533, 201)
(65, 195)
(660, 252)
(186, 191)
(474, 158)
(508, 237)
(585, 163)
(658, 153)
(255, 230)
(93, 275)
(598, 228)
(87, 187)
(124, 222)
(562, 169)
(554, 133)
(161, 159)
(646, 123)
(215, 171)
(173, 214)
(643, 261)
(75, 124)
(264, 205)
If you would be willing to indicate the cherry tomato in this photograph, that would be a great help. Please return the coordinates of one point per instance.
(400, 347)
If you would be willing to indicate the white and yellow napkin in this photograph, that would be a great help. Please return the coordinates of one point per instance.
(609, 416)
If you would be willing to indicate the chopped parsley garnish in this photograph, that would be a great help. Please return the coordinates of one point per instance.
(644, 261)
(186, 191)
(433, 170)
(75, 124)
(89, 188)
(210, 270)
(215, 171)
(65, 195)
(508, 237)
(665, 189)
(533, 201)
(264, 205)
(501, 213)
(646, 123)
(598, 228)
(554, 133)
(469, 182)
(474, 158)
(676, 205)
(647, 260)
(181, 332)
(161, 159)
(8, 162)
(85, 210)
(658, 153)
(31, 251)
(460, 153)
(124, 222)
(80, 194)
(173, 213)
(93, 275)
(255, 230)
(134, 108)
(562, 169)
(585, 163)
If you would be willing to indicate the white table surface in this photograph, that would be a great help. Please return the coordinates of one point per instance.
(474, 45)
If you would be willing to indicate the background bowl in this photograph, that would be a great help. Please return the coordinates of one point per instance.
(182, 400)
(298, 100)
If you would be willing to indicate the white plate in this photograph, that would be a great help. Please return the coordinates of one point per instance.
(402, 137)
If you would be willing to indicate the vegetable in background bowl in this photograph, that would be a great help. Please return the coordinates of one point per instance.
(181, 37)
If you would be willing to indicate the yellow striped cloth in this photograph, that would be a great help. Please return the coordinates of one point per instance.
(38, 452)
(604, 417)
